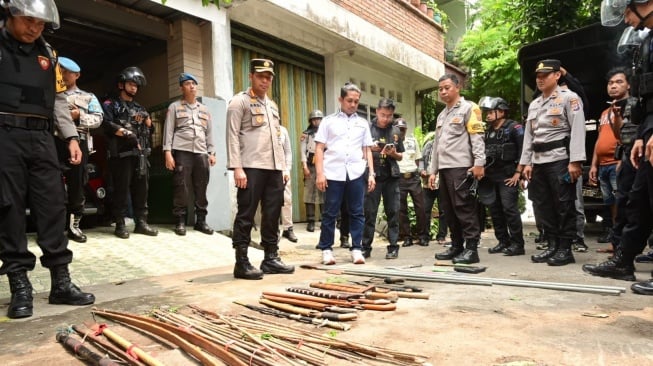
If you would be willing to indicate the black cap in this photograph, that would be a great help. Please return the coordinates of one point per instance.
(549, 65)
(261, 65)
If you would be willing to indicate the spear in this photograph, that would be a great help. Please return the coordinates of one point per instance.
(79, 349)
(297, 317)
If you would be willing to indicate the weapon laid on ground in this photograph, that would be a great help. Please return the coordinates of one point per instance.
(351, 297)
(127, 345)
(102, 343)
(392, 296)
(308, 312)
(297, 317)
(180, 337)
(80, 350)
(304, 302)
(337, 306)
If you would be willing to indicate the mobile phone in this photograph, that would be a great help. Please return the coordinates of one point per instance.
(389, 146)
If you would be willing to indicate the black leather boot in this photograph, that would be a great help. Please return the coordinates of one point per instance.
(243, 268)
(63, 291)
(552, 247)
(289, 234)
(616, 268)
(74, 232)
(498, 248)
(453, 251)
(469, 255)
(21, 302)
(180, 228)
(272, 263)
(563, 255)
(202, 226)
(643, 288)
(310, 226)
(514, 249)
(344, 241)
(143, 228)
(121, 229)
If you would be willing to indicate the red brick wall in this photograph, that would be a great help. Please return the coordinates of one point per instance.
(403, 21)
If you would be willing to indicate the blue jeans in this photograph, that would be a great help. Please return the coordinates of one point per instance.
(608, 180)
(353, 191)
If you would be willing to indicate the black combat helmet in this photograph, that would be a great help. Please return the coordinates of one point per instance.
(134, 74)
(492, 103)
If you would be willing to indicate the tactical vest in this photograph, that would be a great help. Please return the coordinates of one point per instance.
(498, 146)
(27, 81)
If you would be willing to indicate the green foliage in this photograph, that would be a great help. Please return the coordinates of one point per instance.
(500, 27)
(429, 112)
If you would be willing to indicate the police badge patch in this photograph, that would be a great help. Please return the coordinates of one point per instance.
(44, 62)
(575, 105)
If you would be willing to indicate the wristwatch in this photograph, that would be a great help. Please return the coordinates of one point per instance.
(72, 138)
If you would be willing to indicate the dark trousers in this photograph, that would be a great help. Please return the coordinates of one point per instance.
(388, 189)
(553, 200)
(412, 186)
(625, 180)
(76, 176)
(264, 186)
(505, 215)
(127, 183)
(30, 177)
(343, 219)
(430, 196)
(353, 191)
(639, 211)
(461, 207)
(191, 175)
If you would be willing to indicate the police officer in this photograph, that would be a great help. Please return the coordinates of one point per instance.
(410, 183)
(386, 152)
(129, 129)
(30, 176)
(255, 154)
(189, 153)
(503, 145)
(312, 195)
(639, 210)
(458, 156)
(86, 112)
(554, 148)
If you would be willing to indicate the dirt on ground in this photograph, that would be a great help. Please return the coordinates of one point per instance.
(458, 324)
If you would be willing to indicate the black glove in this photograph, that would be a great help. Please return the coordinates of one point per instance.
(130, 137)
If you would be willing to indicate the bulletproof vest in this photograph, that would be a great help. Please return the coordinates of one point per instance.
(27, 79)
(124, 113)
(642, 81)
(628, 131)
(497, 143)
(385, 167)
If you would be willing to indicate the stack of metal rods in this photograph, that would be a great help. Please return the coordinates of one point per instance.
(487, 281)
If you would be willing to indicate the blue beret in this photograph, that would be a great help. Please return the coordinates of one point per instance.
(69, 64)
(184, 76)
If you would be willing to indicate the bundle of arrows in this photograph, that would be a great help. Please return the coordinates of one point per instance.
(209, 338)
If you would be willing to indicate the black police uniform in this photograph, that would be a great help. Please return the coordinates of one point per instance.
(30, 176)
(128, 164)
(387, 186)
(502, 150)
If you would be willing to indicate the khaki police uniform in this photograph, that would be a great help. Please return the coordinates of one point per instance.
(254, 143)
(188, 135)
(459, 146)
(554, 137)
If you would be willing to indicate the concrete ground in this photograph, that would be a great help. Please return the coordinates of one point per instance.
(458, 325)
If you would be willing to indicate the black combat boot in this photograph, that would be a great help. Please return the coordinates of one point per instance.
(310, 217)
(143, 228)
(272, 264)
(202, 226)
(344, 241)
(74, 232)
(563, 255)
(408, 242)
(551, 248)
(469, 255)
(180, 228)
(243, 268)
(20, 305)
(63, 291)
(498, 248)
(310, 226)
(514, 249)
(121, 229)
(453, 251)
(617, 267)
(643, 288)
(289, 234)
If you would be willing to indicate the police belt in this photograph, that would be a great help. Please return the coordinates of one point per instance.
(24, 122)
(548, 146)
(409, 175)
